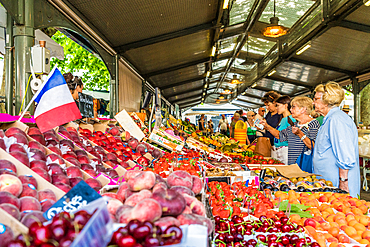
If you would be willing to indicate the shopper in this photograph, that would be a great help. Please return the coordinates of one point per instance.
(223, 125)
(236, 118)
(272, 118)
(74, 83)
(336, 156)
(304, 130)
(318, 116)
(261, 112)
(210, 125)
(241, 113)
(251, 127)
(201, 123)
(280, 148)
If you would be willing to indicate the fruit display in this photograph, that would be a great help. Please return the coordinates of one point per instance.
(217, 172)
(140, 124)
(167, 139)
(146, 234)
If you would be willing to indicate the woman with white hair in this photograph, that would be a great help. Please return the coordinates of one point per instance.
(336, 156)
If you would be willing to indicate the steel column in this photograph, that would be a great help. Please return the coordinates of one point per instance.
(356, 98)
(113, 107)
(23, 41)
(116, 103)
(9, 65)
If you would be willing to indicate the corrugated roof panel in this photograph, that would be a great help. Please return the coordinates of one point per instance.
(361, 15)
(280, 86)
(185, 87)
(185, 95)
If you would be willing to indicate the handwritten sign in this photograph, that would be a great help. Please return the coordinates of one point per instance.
(86, 105)
(129, 125)
(79, 196)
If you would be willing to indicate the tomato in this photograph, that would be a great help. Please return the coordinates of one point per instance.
(271, 161)
(260, 157)
(255, 157)
(264, 162)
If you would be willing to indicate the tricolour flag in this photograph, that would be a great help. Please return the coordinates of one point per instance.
(55, 104)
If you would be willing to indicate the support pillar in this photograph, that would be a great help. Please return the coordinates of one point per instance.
(9, 65)
(114, 88)
(117, 57)
(356, 99)
(23, 41)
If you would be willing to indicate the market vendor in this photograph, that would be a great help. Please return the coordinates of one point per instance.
(336, 156)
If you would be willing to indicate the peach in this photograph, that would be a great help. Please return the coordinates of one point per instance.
(21, 157)
(112, 195)
(29, 190)
(159, 179)
(15, 147)
(29, 203)
(180, 178)
(172, 202)
(187, 210)
(11, 184)
(37, 145)
(137, 197)
(47, 194)
(62, 186)
(182, 190)
(148, 209)
(8, 165)
(73, 172)
(123, 214)
(158, 186)
(39, 163)
(6, 235)
(113, 205)
(144, 180)
(11, 209)
(30, 217)
(6, 197)
(189, 219)
(167, 221)
(28, 179)
(196, 206)
(122, 191)
(46, 204)
(197, 185)
(94, 183)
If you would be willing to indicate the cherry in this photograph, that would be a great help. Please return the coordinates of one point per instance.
(284, 220)
(47, 245)
(252, 241)
(217, 219)
(151, 240)
(65, 242)
(308, 240)
(40, 234)
(175, 231)
(240, 229)
(261, 238)
(116, 235)
(248, 245)
(280, 244)
(284, 240)
(126, 241)
(72, 234)
(314, 244)
(235, 217)
(61, 221)
(263, 218)
(278, 223)
(221, 237)
(272, 244)
(237, 244)
(229, 238)
(249, 226)
(272, 237)
(132, 225)
(294, 238)
(149, 224)
(16, 243)
(248, 232)
(291, 245)
(141, 232)
(233, 230)
(58, 232)
(238, 221)
(285, 228)
(238, 237)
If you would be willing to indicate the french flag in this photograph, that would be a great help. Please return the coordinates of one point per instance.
(55, 104)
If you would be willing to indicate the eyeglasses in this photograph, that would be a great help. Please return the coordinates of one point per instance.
(250, 115)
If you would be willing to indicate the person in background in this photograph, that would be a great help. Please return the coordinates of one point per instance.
(75, 85)
(223, 125)
(336, 156)
(210, 126)
(236, 118)
(273, 117)
(280, 148)
(261, 112)
(304, 130)
(201, 123)
(346, 109)
(241, 115)
(318, 116)
(251, 128)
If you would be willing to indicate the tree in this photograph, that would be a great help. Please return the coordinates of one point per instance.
(95, 75)
(365, 105)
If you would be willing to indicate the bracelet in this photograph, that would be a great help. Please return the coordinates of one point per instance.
(303, 137)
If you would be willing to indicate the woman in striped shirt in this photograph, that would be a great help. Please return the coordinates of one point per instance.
(303, 132)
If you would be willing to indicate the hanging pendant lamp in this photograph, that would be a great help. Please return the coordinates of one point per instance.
(274, 30)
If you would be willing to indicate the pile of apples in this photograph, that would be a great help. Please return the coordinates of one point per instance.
(131, 149)
(146, 196)
(51, 167)
(20, 197)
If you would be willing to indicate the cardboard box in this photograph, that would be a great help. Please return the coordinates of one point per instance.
(16, 226)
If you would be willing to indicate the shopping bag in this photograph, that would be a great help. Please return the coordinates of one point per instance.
(304, 160)
(263, 146)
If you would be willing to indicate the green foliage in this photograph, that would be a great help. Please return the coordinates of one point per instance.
(95, 75)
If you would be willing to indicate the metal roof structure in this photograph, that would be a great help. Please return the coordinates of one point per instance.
(169, 43)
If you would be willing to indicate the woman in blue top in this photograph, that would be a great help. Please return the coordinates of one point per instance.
(280, 149)
(335, 156)
(273, 117)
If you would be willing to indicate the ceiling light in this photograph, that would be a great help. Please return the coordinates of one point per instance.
(205, 86)
(367, 2)
(235, 80)
(204, 93)
(226, 91)
(221, 97)
(243, 93)
(274, 30)
(305, 47)
(254, 84)
(226, 4)
(271, 72)
(217, 101)
(213, 51)
(208, 73)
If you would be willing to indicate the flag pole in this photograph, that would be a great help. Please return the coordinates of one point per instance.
(36, 94)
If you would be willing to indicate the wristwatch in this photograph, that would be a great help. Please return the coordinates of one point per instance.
(343, 179)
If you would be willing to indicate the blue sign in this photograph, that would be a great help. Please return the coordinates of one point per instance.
(79, 196)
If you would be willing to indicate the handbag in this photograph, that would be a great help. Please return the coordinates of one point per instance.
(263, 146)
(304, 160)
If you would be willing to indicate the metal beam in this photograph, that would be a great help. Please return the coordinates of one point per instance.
(355, 26)
(183, 82)
(190, 97)
(268, 90)
(177, 67)
(189, 102)
(9, 65)
(287, 80)
(247, 101)
(160, 38)
(189, 106)
(187, 91)
(251, 96)
(323, 66)
(245, 98)
(250, 105)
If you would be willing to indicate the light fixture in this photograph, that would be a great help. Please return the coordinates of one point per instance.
(305, 47)
(221, 97)
(204, 93)
(243, 93)
(208, 73)
(235, 80)
(271, 72)
(226, 4)
(226, 91)
(248, 61)
(367, 2)
(217, 101)
(213, 51)
(274, 30)
(254, 85)
(205, 86)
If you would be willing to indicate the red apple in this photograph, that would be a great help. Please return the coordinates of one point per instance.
(22, 157)
(34, 131)
(36, 154)
(59, 178)
(17, 148)
(41, 172)
(74, 181)
(54, 168)
(37, 145)
(74, 161)
(64, 187)
(39, 163)
(55, 150)
(94, 183)
(74, 171)
(54, 158)
(39, 138)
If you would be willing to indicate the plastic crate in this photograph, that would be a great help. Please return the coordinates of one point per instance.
(96, 233)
